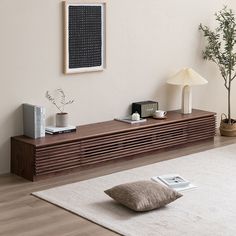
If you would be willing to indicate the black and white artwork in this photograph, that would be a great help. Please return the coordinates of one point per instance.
(84, 37)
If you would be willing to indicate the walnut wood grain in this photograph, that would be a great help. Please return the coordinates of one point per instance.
(105, 141)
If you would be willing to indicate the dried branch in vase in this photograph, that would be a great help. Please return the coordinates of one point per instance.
(58, 99)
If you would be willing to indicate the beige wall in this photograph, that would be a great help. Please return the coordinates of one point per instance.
(146, 42)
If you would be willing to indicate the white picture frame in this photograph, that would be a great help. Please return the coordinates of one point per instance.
(100, 64)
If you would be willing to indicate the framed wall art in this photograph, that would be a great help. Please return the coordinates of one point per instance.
(84, 36)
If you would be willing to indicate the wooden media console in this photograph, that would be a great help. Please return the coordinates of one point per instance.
(95, 143)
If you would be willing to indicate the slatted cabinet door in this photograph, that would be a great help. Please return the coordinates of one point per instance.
(106, 141)
(113, 146)
(201, 128)
(57, 158)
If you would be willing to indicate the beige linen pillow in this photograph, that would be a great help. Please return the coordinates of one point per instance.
(143, 195)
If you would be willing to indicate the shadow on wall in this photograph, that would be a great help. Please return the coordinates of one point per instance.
(168, 96)
(50, 120)
(17, 120)
(5, 159)
(173, 100)
(14, 120)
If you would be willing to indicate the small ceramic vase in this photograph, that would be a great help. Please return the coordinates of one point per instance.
(62, 119)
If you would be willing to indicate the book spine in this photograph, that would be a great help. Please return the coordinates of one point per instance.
(131, 121)
(61, 132)
(35, 128)
(43, 121)
(39, 122)
(125, 121)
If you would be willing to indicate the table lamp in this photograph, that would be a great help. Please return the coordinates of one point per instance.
(187, 78)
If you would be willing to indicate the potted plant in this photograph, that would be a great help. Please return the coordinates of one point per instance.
(59, 100)
(220, 49)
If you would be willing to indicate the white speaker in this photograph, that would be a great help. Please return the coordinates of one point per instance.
(34, 120)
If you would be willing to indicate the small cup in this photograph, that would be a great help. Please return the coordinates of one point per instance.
(159, 114)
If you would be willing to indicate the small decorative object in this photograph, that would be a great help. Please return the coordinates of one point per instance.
(145, 108)
(220, 49)
(187, 78)
(135, 116)
(84, 35)
(59, 100)
(159, 114)
(62, 119)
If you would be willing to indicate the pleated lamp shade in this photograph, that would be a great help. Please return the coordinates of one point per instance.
(187, 76)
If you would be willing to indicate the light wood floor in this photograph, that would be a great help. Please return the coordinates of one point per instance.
(23, 214)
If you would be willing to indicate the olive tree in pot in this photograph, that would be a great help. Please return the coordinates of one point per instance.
(59, 100)
(220, 49)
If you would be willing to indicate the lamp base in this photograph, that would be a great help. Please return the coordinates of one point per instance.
(187, 100)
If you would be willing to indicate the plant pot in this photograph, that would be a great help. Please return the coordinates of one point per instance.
(227, 129)
(62, 119)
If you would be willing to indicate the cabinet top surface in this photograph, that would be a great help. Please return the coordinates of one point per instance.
(113, 126)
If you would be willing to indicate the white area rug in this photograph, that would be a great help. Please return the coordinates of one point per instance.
(208, 210)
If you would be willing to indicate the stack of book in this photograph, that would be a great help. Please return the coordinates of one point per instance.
(174, 181)
(34, 120)
(59, 130)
